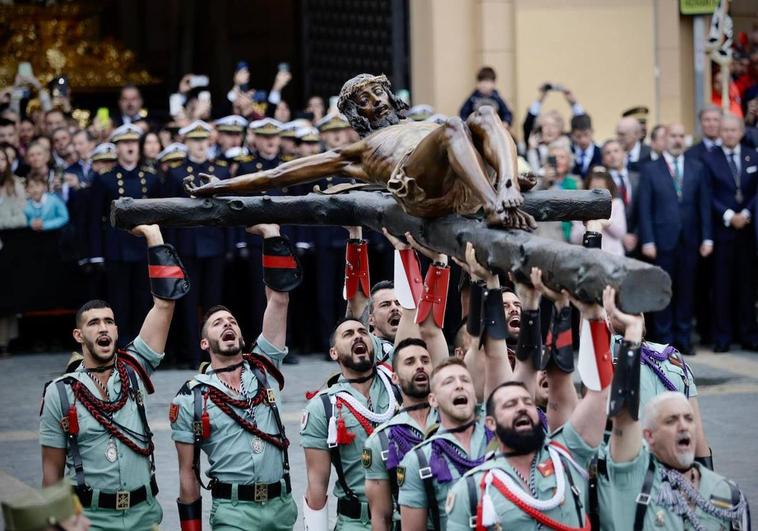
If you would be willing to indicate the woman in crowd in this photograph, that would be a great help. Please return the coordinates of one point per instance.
(556, 175)
(599, 177)
(150, 146)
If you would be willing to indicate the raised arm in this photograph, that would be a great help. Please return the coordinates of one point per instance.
(167, 283)
(626, 436)
(357, 278)
(274, 327)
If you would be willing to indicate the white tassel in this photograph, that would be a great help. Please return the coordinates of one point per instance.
(331, 437)
(489, 515)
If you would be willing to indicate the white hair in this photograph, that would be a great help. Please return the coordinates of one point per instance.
(651, 411)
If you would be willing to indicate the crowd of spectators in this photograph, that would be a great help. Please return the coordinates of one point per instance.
(688, 206)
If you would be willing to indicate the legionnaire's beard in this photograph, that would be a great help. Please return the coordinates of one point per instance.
(685, 459)
(521, 443)
(415, 389)
(92, 349)
(215, 348)
(360, 365)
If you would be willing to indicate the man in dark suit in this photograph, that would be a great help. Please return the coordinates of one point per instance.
(629, 134)
(586, 152)
(627, 183)
(124, 254)
(733, 178)
(130, 108)
(674, 223)
(710, 122)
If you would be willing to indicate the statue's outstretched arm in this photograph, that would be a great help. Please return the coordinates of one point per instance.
(298, 171)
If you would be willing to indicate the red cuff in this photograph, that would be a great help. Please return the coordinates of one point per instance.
(434, 298)
(356, 269)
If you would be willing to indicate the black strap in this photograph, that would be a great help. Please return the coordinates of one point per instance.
(138, 398)
(643, 498)
(262, 380)
(334, 453)
(384, 441)
(593, 501)
(73, 442)
(197, 431)
(473, 499)
(426, 477)
(574, 491)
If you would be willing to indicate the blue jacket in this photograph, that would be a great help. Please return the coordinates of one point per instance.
(724, 190)
(477, 99)
(663, 217)
(105, 240)
(198, 242)
(52, 211)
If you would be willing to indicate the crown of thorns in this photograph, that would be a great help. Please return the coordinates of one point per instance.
(351, 86)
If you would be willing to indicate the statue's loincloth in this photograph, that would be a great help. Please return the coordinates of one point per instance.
(414, 200)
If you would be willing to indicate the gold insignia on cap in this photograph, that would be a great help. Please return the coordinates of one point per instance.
(366, 458)
(400, 474)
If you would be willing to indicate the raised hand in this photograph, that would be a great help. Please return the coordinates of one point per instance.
(204, 190)
(560, 299)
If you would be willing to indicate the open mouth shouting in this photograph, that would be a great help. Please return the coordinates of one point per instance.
(359, 348)
(421, 378)
(460, 400)
(514, 321)
(228, 335)
(684, 442)
(104, 341)
(394, 319)
(523, 421)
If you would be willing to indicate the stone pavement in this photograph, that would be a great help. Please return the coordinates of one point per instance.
(728, 386)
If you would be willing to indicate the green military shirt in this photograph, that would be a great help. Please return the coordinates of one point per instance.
(315, 424)
(128, 471)
(650, 383)
(384, 350)
(509, 515)
(625, 482)
(412, 491)
(234, 455)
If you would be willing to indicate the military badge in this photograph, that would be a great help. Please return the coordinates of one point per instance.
(303, 420)
(547, 468)
(400, 474)
(173, 413)
(366, 458)
(449, 502)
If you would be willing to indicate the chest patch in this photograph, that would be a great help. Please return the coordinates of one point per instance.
(546, 468)
(450, 502)
(173, 413)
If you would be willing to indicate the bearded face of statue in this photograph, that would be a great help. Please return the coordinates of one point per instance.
(373, 103)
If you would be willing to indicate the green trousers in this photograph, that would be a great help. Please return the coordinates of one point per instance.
(278, 514)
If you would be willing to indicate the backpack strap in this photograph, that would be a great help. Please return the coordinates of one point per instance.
(425, 472)
(260, 376)
(473, 499)
(643, 498)
(334, 452)
(73, 442)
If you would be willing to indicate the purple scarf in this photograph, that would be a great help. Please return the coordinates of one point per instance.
(401, 439)
(649, 357)
(442, 448)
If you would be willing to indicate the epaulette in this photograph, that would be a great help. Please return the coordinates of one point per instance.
(221, 163)
(186, 389)
(245, 158)
(148, 169)
(175, 164)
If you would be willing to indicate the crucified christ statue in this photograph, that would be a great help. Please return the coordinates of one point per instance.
(431, 169)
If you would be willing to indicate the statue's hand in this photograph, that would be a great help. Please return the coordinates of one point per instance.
(204, 190)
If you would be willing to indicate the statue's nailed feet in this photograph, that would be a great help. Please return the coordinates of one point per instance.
(511, 218)
(206, 189)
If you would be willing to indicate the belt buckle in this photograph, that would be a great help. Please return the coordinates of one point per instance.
(123, 500)
(261, 492)
(643, 498)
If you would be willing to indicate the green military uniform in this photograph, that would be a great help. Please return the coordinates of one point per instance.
(384, 350)
(569, 509)
(314, 433)
(375, 451)
(236, 456)
(109, 465)
(625, 483)
(674, 370)
(412, 488)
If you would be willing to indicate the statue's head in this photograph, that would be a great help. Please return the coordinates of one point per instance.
(368, 103)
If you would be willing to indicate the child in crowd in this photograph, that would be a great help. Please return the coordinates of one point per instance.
(44, 211)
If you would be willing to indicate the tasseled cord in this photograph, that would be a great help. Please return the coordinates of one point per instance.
(486, 515)
(205, 419)
(338, 432)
